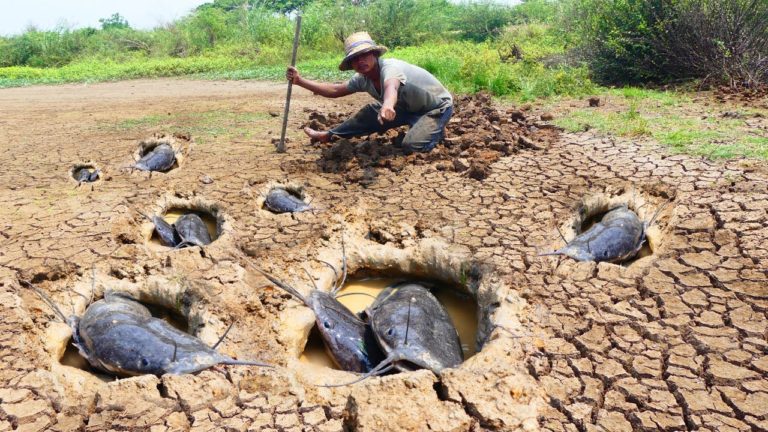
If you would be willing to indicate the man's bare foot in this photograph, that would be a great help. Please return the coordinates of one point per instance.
(317, 136)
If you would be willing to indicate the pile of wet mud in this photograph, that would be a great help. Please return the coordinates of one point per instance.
(754, 95)
(477, 135)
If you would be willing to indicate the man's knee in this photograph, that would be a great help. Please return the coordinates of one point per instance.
(419, 144)
(423, 137)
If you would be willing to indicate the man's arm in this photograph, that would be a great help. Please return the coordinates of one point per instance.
(387, 112)
(329, 90)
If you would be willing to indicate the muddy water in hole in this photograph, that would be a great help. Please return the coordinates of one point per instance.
(461, 308)
(173, 214)
(73, 358)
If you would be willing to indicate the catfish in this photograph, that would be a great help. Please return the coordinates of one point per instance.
(160, 158)
(118, 335)
(85, 175)
(189, 230)
(414, 331)
(280, 200)
(616, 238)
(348, 340)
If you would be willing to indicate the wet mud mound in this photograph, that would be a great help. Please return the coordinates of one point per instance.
(756, 95)
(477, 135)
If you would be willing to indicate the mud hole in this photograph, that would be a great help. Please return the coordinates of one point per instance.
(180, 143)
(296, 189)
(362, 288)
(77, 169)
(652, 210)
(675, 341)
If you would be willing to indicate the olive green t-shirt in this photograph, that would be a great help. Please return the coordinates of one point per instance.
(419, 90)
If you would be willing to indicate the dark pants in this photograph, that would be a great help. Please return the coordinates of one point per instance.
(426, 130)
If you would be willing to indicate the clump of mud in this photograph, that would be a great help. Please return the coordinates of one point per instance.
(751, 95)
(477, 135)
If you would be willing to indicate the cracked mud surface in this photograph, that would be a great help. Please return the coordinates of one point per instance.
(675, 342)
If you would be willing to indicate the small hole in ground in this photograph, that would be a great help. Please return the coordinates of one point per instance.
(286, 199)
(172, 215)
(167, 157)
(596, 217)
(359, 293)
(85, 173)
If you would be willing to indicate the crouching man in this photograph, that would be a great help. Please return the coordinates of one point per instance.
(405, 95)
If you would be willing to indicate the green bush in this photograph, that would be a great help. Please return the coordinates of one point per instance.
(206, 27)
(468, 67)
(44, 48)
(618, 37)
(399, 23)
(632, 41)
(726, 41)
(322, 26)
(537, 11)
(480, 21)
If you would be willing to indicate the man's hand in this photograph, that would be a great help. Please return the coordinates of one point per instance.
(292, 75)
(386, 113)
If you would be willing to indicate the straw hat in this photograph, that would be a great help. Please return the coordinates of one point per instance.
(356, 44)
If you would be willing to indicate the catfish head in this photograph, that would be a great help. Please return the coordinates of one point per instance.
(347, 339)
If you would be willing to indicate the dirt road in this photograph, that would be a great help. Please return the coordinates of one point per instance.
(674, 341)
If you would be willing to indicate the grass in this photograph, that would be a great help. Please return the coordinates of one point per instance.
(673, 119)
(464, 67)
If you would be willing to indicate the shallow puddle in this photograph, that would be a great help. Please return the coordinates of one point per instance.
(172, 215)
(360, 294)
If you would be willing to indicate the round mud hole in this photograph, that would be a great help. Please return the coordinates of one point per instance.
(633, 215)
(72, 357)
(171, 216)
(359, 293)
(594, 218)
(85, 173)
(169, 158)
(280, 199)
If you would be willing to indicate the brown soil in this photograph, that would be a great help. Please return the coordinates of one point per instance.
(675, 341)
(477, 135)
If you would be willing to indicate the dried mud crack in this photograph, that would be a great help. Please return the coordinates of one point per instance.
(677, 342)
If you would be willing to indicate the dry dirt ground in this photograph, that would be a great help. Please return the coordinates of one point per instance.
(676, 340)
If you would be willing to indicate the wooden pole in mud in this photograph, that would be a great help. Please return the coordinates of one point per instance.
(281, 144)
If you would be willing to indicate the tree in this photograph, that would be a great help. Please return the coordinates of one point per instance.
(116, 21)
(282, 6)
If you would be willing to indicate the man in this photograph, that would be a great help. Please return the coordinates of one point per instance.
(405, 94)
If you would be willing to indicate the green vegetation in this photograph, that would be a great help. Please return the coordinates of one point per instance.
(553, 49)
(636, 41)
(672, 119)
(472, 47)
(204, 126)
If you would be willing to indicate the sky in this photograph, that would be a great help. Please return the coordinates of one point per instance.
(18, 15)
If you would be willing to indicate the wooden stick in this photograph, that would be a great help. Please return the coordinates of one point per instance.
(281, 144)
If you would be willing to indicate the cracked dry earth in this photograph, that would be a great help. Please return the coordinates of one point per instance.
(674, 341)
